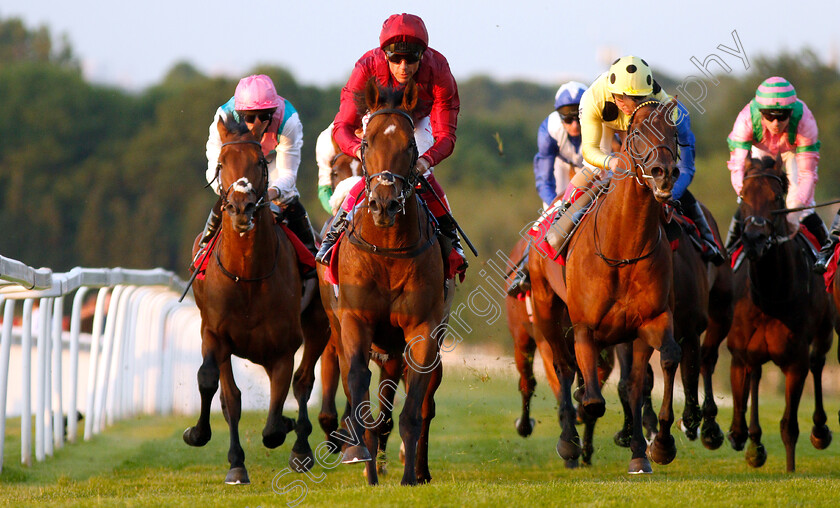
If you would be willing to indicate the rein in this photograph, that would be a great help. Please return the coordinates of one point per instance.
(263, 202)
(618, 262)
(775, 239)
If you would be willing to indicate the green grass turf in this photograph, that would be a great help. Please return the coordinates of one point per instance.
(476, 459)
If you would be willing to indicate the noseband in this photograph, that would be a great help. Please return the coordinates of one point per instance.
(223, 193)
(640, 167)
(387, 177)
(775, 238)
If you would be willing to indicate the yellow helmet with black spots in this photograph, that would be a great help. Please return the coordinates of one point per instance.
(630, 75)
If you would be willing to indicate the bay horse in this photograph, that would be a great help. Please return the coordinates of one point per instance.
(250, 304)
(391, 284)
(782, 314)
(391, 367)
(618, 287)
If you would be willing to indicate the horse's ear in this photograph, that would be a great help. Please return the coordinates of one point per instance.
(223, 130)
(410, 96)
(371, 94)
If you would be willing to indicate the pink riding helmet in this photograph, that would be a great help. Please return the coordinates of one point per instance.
(775, 93)
(256, 92)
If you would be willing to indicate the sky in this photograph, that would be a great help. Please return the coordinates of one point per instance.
(133, 44)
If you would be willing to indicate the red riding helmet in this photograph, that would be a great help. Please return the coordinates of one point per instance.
(404, 33)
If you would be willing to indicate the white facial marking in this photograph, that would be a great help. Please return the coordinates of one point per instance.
(242, 185)
(390, 129)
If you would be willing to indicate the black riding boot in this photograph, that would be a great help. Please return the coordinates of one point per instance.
(733, 237)
(339, 224)
(298, 222)
(827, 250)
(521, 282)
(447, 227)
(692, 210)
(212, 225)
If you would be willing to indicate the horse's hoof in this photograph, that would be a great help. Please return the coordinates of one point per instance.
(820, 437)
(710, 435)
(639, 466)
(586, 455)
(690, 433)
(736, 443)
(424, 479)
(274, 439)
(595, 408)
(237, 476)
(571, 464)
(194, 438)
(568, 450)
(756, 454)
(301, 462)
(663, 450)
(402, 453)
(356, 453)
(622, 438)
(525, 427)
(339, 440)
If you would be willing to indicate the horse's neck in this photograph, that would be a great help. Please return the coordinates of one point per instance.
(249, 254)
(776, 274)
(633, 214)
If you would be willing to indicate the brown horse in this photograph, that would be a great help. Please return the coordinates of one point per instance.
(618, 287)
(782, 314)
(391, 291)
(525, 344)
(703, 302)
(250, 307)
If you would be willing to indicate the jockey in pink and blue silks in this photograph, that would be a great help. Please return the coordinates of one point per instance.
(403, 54)
(776, 123)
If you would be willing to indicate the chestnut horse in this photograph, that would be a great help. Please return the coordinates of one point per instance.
(525, 344)
(250, 307)
(618, 286)
(391, 286)
(782, 314)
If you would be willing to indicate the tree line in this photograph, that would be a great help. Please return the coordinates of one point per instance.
(93, 175)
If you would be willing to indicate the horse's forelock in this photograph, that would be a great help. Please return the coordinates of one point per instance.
(236, 128)
(388, 98)
(768, 165)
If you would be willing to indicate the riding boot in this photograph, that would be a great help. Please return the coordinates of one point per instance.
(339, 224)
(711, 252)
(447, 227)
(298, 221)
(733, 236)
(521, 282)
(814, 224)
(210, 228)
(825, 255)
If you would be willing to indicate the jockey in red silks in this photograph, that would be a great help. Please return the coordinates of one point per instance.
(403, 54)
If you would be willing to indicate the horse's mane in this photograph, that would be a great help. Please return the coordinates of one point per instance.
(769, 165)
(235, 126)
(388, 97)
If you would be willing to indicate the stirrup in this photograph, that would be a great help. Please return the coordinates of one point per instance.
(712, 253)
(520, 284)
(823, 260)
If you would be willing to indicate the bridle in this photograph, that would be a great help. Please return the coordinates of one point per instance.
(640, 166)
(387, 177)
(262, 202)
(774, 238)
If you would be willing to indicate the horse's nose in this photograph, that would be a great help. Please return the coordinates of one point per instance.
(375, 206)
(393, 207)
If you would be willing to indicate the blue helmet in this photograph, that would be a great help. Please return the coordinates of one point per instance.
(569, 94)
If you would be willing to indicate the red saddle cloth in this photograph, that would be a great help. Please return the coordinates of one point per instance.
(306, 260)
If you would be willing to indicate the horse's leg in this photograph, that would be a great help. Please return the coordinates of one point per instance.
(663, 450)
(738, 430)
(524, 347)
(389, 379)
(208, 383)
(548, 364)
(424, 354)
(710, 433)
(756, 454)
(820, 434)
(357, 339)
(795, 375)
(650, 421)
(587, 354)
(690, 374)
(277, 425)
(232, 402)
(428, 413)
(624, 353)
(639, 463)
(568, 445)
(314, 325)
(328, 417)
